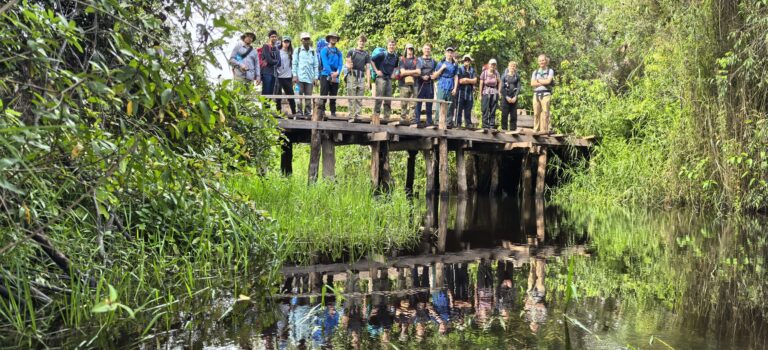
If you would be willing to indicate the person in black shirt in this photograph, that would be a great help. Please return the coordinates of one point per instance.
(510, 89)
(384, 64)
(426, 87)
(408, 75)
(271, 55)
(467, 81)
(359, 76)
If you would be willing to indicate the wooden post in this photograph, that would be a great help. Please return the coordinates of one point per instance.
(442, 225)
(461, 170)
(541, 173)
(314, 151)
(461, 216)
(409, 170)
(385, 175)
(286, 158)
(540, 221)
(443, 149)
(375, 154)
(494, 158)
(329, 156)
(429, 160)
(527, 178)
(470, 160)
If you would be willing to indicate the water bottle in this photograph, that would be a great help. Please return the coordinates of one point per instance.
(296, 91)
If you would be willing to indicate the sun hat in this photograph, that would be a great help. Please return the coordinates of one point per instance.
(467, 57)
(251, 34)
(305, 35)
(492, 61)
(332, 35)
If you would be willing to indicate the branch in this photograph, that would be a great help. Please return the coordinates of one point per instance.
(7, 6)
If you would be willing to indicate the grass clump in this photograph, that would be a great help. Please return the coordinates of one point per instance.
(336, 219)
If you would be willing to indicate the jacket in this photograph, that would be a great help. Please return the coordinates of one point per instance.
(251, 61)
(305, 64)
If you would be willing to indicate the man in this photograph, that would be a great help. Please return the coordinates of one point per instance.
(407, 83)
(541, 81)
(270, 54)
(359, 76)
(384, 65)
(447, 83)
(329, 76)
(426, 87)
(305, 71)
(467, 81)
(245, 61)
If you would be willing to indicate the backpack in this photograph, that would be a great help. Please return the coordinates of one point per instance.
(375, 52)
(262, 62)
(321, 44)
(421, 63)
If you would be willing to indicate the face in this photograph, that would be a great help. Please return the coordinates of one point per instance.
(334, 40)
(391, 46)
(409, 52)
(542, 61)
(512, 66)
(273, 38)
(467, 63)
(306, 41)
(427, 50)
(248, 40)
(360, 44)
(493, 66)
(449, 54)
(286, 43)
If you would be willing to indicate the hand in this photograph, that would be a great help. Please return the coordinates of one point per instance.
(258, 81)
(425, 77)
(379, 73)
(316, 83)
(334, 75)
(295, 80)
(514, 99)
(243, 67)
(510, 99)
(453, 92)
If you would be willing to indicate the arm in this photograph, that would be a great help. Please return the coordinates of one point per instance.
(316, 66)
(481, 82)
(436, 74)
(455, 84)
(295, 65)
(518, 87)
(232, 60)
(271, 61)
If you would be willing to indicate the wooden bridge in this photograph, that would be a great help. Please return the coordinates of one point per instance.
(324, 134)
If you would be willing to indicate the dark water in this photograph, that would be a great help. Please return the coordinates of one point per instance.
(493, 274)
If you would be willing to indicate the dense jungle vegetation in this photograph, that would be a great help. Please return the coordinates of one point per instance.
(120, 160)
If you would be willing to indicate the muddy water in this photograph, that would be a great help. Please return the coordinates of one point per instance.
(491, 273)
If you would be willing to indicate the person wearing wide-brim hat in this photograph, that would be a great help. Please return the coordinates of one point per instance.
(409, 72)
(466, 92)
(332, 63)
(245, 60)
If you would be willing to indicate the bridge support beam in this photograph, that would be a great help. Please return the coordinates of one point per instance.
(461, 170)
(410, 168)
(429, 164)
(494, 187)
(314, 150)
(541, 173)
(329, 156)
(286, 158)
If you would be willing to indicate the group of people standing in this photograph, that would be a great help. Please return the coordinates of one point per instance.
(280, 68)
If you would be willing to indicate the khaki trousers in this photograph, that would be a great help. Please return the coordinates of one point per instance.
(406, 108)
(541, 120)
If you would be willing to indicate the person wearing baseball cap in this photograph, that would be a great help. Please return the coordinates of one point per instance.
(245, 61)
(285, 74)
(408, 74)
(305, 70)
(447, 83)
(489, 90)
(466, 93)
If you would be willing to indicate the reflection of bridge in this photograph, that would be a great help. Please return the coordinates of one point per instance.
(324, 134)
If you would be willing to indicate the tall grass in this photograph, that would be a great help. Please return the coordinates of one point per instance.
(333, 219)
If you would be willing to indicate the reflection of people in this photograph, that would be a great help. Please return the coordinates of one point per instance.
(484, 298)
(380, 315)
(505, 292)
(535, 307)
(352, 320)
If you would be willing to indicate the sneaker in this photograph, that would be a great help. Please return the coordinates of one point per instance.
(333, 114)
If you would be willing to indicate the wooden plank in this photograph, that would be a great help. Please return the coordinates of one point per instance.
(411, 145)
(329, 156)
(517, 145)
(465, 135)
(366, 98)
(378, 136)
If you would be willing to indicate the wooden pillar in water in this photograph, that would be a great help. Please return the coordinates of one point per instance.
(329, 156)
(429, 164)
(443, 150)
(385, 173)
(286, 158)
(494, 158)
(410, 167)
(541, 173)
(314, 150)
(461, 170)
(527, 177)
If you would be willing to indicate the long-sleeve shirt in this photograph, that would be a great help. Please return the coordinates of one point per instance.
(305, 64)
(510, 84)
(271, 55)
(251, 62)
(332, 60)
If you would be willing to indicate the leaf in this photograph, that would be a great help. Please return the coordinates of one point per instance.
(242, 297)
(76, 150)
(104, 306)
(130, 311)
(165, 96)
(129, 107)
(10, 187)
(112, 293)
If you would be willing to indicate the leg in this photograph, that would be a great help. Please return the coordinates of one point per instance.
(513, 116)
(492, 116)
(387, 93)
(536, 113)
(306, 90)
(354, 86)
(334, 91)
(325, 88)
(286, 86)
(484, 108)
(468, 112)
(380, 86)
(546, 122)
(504, 114)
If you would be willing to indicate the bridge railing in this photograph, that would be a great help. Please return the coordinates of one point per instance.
(315, 99)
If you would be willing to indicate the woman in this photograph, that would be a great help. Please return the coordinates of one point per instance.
(510, 89)
(285, 74)
(489, 88)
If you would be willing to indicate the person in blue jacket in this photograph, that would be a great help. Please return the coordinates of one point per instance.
(332, 63)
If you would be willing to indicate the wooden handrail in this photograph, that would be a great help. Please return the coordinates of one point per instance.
(379, 98)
